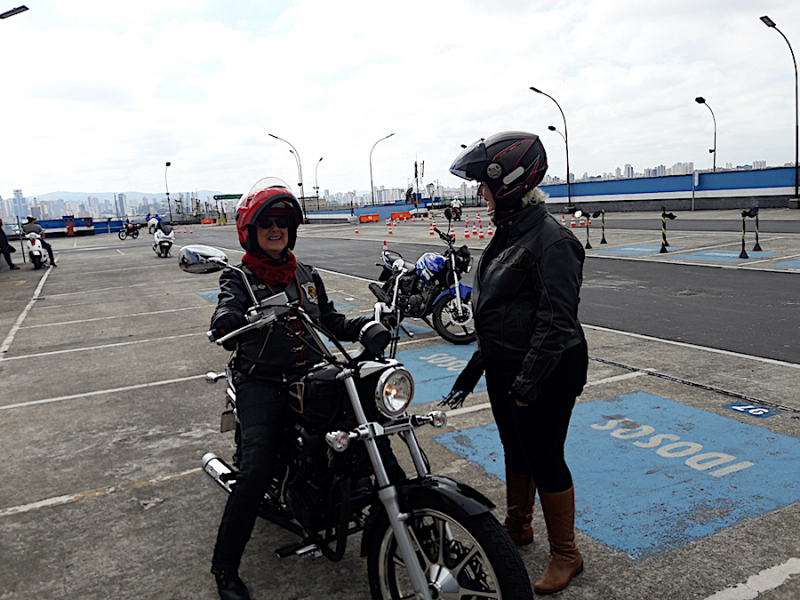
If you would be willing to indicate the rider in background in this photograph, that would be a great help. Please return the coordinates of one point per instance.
(531, 344)
(33, 227)
(267, 360)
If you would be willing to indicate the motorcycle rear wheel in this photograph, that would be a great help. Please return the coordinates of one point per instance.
(447, 324)
(135, 233)
(459, 554)
(122, 234)
(37, 261)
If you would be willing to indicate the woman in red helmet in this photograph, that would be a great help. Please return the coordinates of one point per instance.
(268, 359)
(531, 344)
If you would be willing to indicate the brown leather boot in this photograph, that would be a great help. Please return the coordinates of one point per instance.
(565, 559)
(520, 494)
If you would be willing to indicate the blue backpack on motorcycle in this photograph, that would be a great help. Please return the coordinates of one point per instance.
(429, 264)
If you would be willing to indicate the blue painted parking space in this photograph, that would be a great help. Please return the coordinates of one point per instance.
(632, 250)
(653, 474)
(792, 264)
(723, 255)
(435, 369)
(210, 296)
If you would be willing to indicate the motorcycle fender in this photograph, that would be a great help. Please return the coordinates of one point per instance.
(414, 492)
(465, 292)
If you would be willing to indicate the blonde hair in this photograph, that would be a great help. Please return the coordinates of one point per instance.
(534, 196)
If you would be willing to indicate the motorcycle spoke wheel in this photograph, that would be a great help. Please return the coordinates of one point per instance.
(122, 235)
(465, 558)
(452, 327)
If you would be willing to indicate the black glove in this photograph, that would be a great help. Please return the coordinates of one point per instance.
(525, 401)
(227, 323)
(465, 382)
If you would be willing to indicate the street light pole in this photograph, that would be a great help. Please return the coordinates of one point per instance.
(316, 183)
(372, 185)
(166, 185)
(552, 128)
(701, 100)
(13, 11)
(299, 172)
(566, 143)
(796, 200)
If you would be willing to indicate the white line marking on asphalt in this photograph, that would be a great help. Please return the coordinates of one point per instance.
(75, 244)
(18, 323)
(144, 314)
(769, 361)
(127, 388)
(161, 339)
(116, 287)
(120, 251)
(615, 378)
(766, 580)
(68, 498)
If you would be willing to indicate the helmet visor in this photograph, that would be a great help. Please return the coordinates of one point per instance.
(261, 185)
(470, 163)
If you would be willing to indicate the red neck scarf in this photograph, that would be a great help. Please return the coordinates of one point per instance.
(269, 271)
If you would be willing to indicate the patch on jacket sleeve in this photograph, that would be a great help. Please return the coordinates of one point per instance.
(310, 290)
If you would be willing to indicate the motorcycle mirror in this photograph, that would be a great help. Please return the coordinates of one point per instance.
(201, 259)
(596, 214)
(448, 214)
(398, 264)
(578, 214)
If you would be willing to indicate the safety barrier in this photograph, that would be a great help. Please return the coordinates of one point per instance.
(369, 218)
(401, 215)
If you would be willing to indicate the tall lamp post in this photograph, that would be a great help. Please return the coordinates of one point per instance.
(13, 11)
(701, 100)
(796, 200)
(166, 185)
(371, 185)
(566, 143)
(299, 172)
(316, 182)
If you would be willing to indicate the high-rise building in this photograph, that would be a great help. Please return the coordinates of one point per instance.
(628, 171)
(20, 205)
(759, 164)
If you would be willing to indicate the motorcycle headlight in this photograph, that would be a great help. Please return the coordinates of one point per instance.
(394, 392)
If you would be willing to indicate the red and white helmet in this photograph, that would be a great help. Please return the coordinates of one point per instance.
(269, 196)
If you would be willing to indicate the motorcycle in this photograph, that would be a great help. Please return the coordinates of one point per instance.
(431, 287)
(36, 251)
(129, 230)
(163, 239)
(456, 213)
(339, 475)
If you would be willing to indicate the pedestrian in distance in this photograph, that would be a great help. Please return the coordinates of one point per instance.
(5, 248)
(33, 227)
(531, 346)
(267, 360)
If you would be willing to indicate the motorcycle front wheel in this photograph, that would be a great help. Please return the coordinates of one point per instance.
(447, 323)
(463, 556)
(122, 234)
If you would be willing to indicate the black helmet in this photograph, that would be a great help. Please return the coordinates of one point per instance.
(510, 163)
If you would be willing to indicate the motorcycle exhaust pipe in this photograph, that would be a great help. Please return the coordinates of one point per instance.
(219, 471)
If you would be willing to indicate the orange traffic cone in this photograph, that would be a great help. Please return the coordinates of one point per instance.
(466, 229)
(356, 227)
(563, 221)
(384, 246)
(431, 231)
(490, 228)
(480, 235)
(583, 222)
(572, 221)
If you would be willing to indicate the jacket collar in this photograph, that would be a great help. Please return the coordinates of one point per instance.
(523, 219)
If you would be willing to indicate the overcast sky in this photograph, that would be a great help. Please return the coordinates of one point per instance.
(96, 96)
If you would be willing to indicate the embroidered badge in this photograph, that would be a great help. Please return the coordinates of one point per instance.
(311, 291)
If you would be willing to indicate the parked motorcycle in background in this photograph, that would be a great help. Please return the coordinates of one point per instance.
(163, 239)
(129, 230)
(152, 224)
(431, 288)
(340, 476)
(36, 251)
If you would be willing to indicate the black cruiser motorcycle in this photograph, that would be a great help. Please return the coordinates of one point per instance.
(430, 288)
(425, 536)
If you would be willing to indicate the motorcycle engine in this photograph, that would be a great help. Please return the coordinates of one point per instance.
(419, 299)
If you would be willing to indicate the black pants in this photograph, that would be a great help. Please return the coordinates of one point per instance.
(7, 254)
(264, 416)
(533, 436)
(49, 249)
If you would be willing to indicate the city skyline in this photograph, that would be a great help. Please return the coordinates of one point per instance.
(103, 98)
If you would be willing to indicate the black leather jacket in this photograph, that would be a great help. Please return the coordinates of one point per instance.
(526, 295)
(278, 352)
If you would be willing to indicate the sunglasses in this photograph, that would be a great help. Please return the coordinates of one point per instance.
(267, 223)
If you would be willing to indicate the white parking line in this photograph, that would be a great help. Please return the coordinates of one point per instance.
(126, 388)
(615, 378)
(144, 314)
(766, 580)
(18, 323)
(68, 498)
(103, 346)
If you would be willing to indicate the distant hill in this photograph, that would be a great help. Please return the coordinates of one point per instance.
(83, 196)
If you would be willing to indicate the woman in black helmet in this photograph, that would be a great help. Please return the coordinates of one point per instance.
(531, 344)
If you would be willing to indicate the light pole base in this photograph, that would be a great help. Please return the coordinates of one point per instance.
(794, 202)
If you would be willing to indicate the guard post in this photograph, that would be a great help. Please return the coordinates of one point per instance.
(664, 216)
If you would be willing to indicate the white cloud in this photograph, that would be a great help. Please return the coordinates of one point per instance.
(99, 96)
